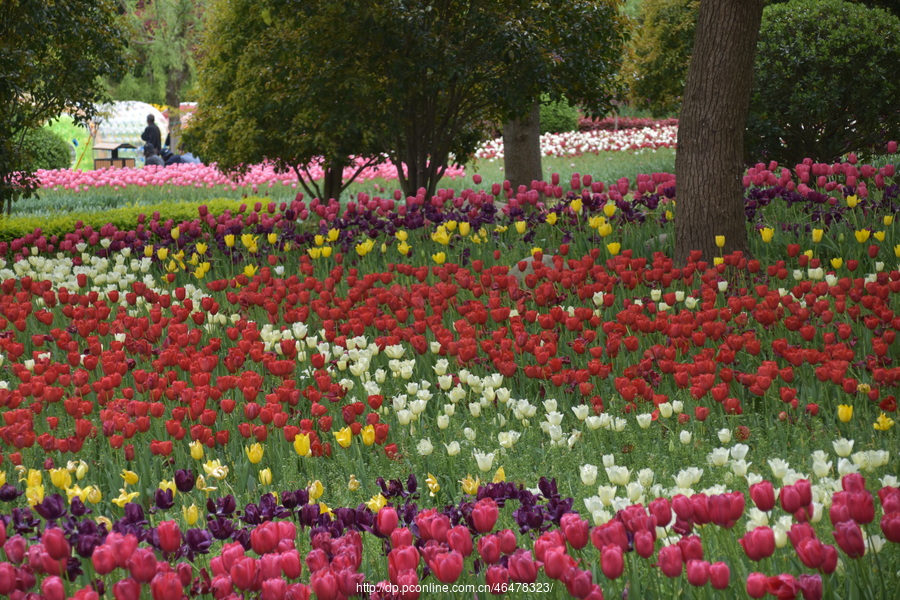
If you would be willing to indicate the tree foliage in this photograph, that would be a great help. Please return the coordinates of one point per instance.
(827, 81)
(417, 81)
(657, 60)
(52, 55)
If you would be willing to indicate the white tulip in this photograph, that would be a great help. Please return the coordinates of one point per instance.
(724, 435)
(424, 447)
(588, 474)
(485, 461)
(685, 437)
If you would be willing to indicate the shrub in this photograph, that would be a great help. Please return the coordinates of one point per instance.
(558, 117)
(611, 123)
(658, 57)
(46, 150)
(125, 218)
(827, 82)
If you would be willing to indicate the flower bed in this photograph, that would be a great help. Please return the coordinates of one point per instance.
(516, 390)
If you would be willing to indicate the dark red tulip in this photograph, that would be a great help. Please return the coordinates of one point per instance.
(401, 536)
(269, 566)
(103, 559)
(862, 507)
(691, 548)
(404, 558)
(890, 526)
(557, 563)
(489, 549)
(644, 544)
(612, 532)
(273, 589)
(7, 578)
(508, 541)
(661, 509)
(811, 586)
(15, 549)
(264, 538)
(575, 529)
(292, 564)
(244, 572)
(324, 584)
(579, 583)
(53, 588)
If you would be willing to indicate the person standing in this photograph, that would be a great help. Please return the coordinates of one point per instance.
(152, 134)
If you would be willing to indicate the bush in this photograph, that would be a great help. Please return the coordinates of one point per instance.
(558, 117)
(612, 124)
(46, 150)
(125, 218)
(657, 62)
(827, 82)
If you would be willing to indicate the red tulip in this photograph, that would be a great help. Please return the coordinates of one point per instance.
(849, 538)
(244, 572)
(758, 543)
(142, 565)
(757, 585)
(273, 589)
(670, 561)
(408, 582)
(644, 544)
(522, 568)
(508, 541)
(460, 539)
(763, 495)
(447, 566)
(127, 589)
(497, 579)
(387, 520)
(783, 587)
(660, 509)
(15, 548)
(484, 515)
(612, 562)
(404, 558)
(575, 529)
(890, 526)
(166, 586)
(578, 582)
(103, 559)
(53, 588)
(719, 575)
(489, 549)
(811, 586)
(169, 536)
(56, 544)
(324, 584)
(264, 538)
(698, 572)
(292, 564)
(557, 563)
(401, 536)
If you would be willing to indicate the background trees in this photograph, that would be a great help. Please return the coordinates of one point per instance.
(52, 55)
(417, 81)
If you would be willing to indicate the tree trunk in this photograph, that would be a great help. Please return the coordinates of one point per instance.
(709, 162)
(332, 184)
(522, 149)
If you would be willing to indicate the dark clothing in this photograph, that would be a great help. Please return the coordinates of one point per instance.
(154, 160)
(153, 137)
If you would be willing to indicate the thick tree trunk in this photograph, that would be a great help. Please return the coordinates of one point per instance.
(522, 149)
(332, 184)
(709, 161)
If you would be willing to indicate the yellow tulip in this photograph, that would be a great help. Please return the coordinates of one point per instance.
(34, 494)
(34, 478)
(229, 240)
(333, 235)
(520, 226)
(605, 229)
(105, 522)
(845, 413)
(669, 215)
(326, 251)
(535, 250)
(301, 444)
(344, 437)
(609, 210)
(61, 478)
(215, 469)
(401, 235)
(324, 510)
(315, 490)
(314, 252)
(191, 514)
(202, 486)
(202, 248)
(596, 222)
(439, 258)
(450, 225)
(888, 220)
(368, 435)
(441, 236)
(248, 240)
(76, 492)
(766, 233)
(614, 247)
(720, 241)
(376, 503)
(879, 235)
(353, 483)
(862, 235)
(319, 240)
(124, 498)
(2, 478)
(265, 477)
(837, 262)
(576, 205)
(148, 251)
(196, 450)
(272, 238)
(551, 218)
(852, 201)
(175, 232)
(464, 228)
(817, 235)
(500, 475)
(130, 477)
(883, 423)
(165, 484)
(897, 250)
(403, 248)
(162, 253)
(93, 494)
(250, 270)
(470, 485)
(254, 453)
(433, 486)
(718, 260)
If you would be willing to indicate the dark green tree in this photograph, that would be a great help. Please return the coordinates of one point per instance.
(52, 56)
